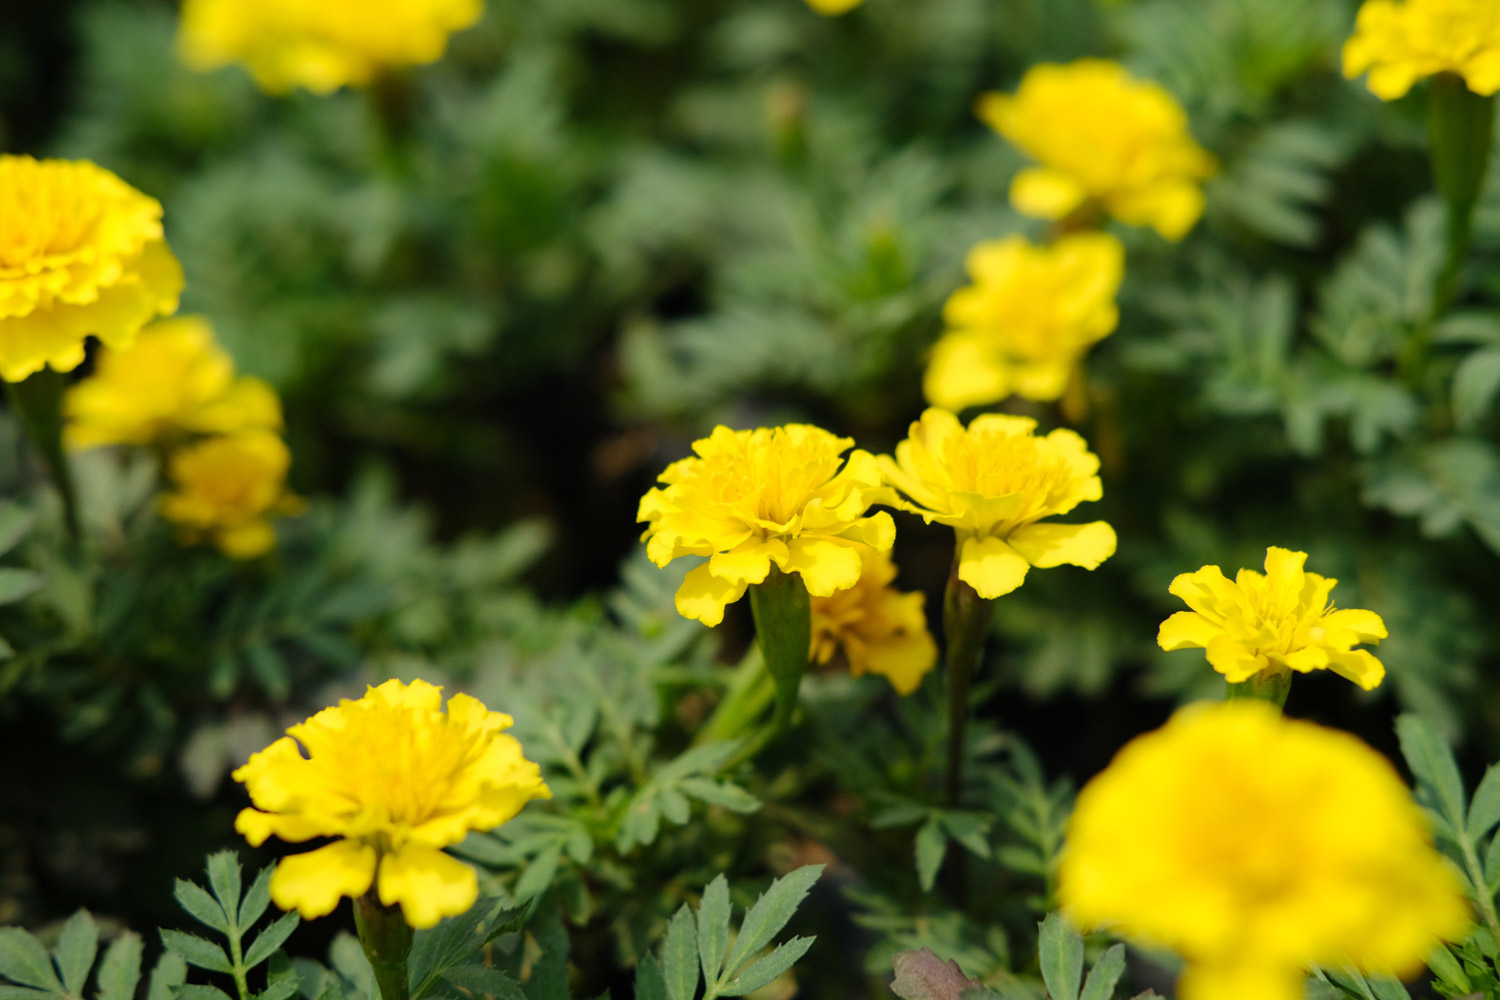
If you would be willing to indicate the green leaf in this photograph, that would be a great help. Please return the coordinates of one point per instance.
(269, 667)
(270, 939)
(679, 957)
(649, 982)
(1448, 969)
(77, 946)
(193, 991)
(771, 913)
(931, 846)
(168, 972)
(196, 951)
(224, 879)
(452, 943)
(253, 906)
(720, 793)
(281, 989)
(120, 971)
(1432, 763)
(1475, 383)
(713, 928)
(1060, 951)
(482, 980)
(763, 970)
(1105, 974)
(23, 960)
(8, 992)
(15, 521)
(200, 905)
(18, 583)
(1484, 810)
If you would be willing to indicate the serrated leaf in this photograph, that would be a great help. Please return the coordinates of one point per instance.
(77, 946)
(764, 970)
(931, 847)
(169, 971)
(649, 982)
(679, 956)
(482, 980)
(721, 793)
(1475, 383)
(1448, 969)
(771, 912)
(922, 975)
(1105, 974)
(1484, 810)
(539, 875)
(348, 959)
(713, 928)
(1060, 952)
(194, 991)
(224, 879)
(15, 521)
(270, 939)
(120, 971)
(23, 960)
(1386, 987)
(1432, 763)
(196, 951)
(202, 907)
(8, 992)
(282, 989)
(257, 898)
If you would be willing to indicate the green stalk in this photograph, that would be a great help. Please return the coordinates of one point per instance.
(1460, 129)
(782, 610)
(966, 622)
(749, 691)
(1269, 686)
(386, 938)
(37, 400)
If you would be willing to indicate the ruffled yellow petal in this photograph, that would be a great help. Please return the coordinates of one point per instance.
(991, 567)
(257, 827)
(1186, 630)
(1046, 194)
(427, 884)
(313, 883)
(1048, 545)
(704, 596)
(749, 563)
(825, 567)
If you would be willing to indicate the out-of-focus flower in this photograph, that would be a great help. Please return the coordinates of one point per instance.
(227, 490)
(174, 379)
(81, 252)
(1030, 315)
(833, 7)
(755, 498)
(1276, 622)
(1253, 846)
(396, 779)
(1399, 42)
(1103, 138)
(321, 46)
(994, 482)
(880, 629)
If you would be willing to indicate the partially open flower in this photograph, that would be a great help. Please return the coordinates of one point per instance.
(1399, 42)
(228, 489)
(880, 629)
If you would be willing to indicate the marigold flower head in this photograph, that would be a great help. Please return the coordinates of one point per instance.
(994, 482)
(1102, 137)
(320, 46)
(396, 779)
(173, 380)
(1026, 321)
(1273, 622)
(81, 252)
(880, 629)
(750, 499)
(1399, 42)
(228, 489)
(1254, 845)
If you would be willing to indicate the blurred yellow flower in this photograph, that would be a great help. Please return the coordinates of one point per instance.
(833, 7)
(1282, 620)
(993, 483)
(321, 46)
(81, 252)
(1399, 42)
(174, 379)
(396, 779)
(880, 629)
(753, 498)
(1103, 139)
(1254, 845)
(1031, 314)
(228, 489)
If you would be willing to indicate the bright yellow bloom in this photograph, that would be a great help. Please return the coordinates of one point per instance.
(1282, 620)
(1402, 41)
(1103, 138)
(833, 7)
(1031, 314)
(174, 379)
(993, 483)
(881, 630)
(1253, 846)
(754, 498)
(81, 252)
(321, 45)
(228, 489)
(398, 780)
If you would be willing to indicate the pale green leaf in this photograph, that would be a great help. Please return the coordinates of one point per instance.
(1060, 952)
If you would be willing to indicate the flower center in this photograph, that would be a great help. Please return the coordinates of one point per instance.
(995, 464)
(41, 215)
(770, 475)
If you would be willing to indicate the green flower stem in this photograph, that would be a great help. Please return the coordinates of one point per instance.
(37, 400)
(966, 622)
(386, 938)
(749, 691)
(1460, 128)
(1270, 686)
(782, 610)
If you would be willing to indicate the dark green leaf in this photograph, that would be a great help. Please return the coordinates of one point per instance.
(932, 846)
(763, 970)
(482, 980)
(224, 879)
(1060, 952)
(713, 928)
(168, 972)
(1448, 969)
(196, 951)
(282, 989)
(1106, 972)
(1475, 383)
(1484, 811)
(193, 991)
(270, 939)
(120, 971)
(76, 948)
(679, 956)
(200, 905)
(8, 992)
(649, 982)
(15, 521)
(18, 583)
(23, 960)
(1432, 763)
(257, 898)
(771, 913)
(720, 793)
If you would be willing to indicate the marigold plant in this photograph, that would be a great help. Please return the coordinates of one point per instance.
(1398, 42)
(1103, 139)
(1030, 315)
(880, 629)
(396, 779)
(227, 490)
(1254, 846)
(81, 252)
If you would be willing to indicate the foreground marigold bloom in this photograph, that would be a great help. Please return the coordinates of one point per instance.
(228, 489)
(1399, 42)
(81, 252)
(751, 499)
(880, 629)
(320, 46)
(1104, 139)
(1279, 621)
(1253, 846)
(993, 483)
(175, 379)
(398, 780)
(1031, 314)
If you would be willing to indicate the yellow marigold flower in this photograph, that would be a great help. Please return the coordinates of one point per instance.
(321, 46)
(174, 379)
(1031, 314)
(1399, 42)
(81, 252)
(1282, 620)
(753, 498)
(881, 630)
(228, 489)
(1253, 846)
(993, 483)
(398, 780)
(833, 7)
(1103, 138)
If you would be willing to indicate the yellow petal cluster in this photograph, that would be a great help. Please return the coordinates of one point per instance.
(751, 499)
(1104, 139)
(832, 8)
(880, 629)
(994, 482)
(1399, 42)
(227, 490)
(1253, 846)
(397, 779)
(174, 380)
(321, 46)
(81, 252)
(1030, 315)
(1273, 622)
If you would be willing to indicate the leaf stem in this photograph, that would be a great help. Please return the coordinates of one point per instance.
(386, 938)
(37, 400)
(966, 621)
